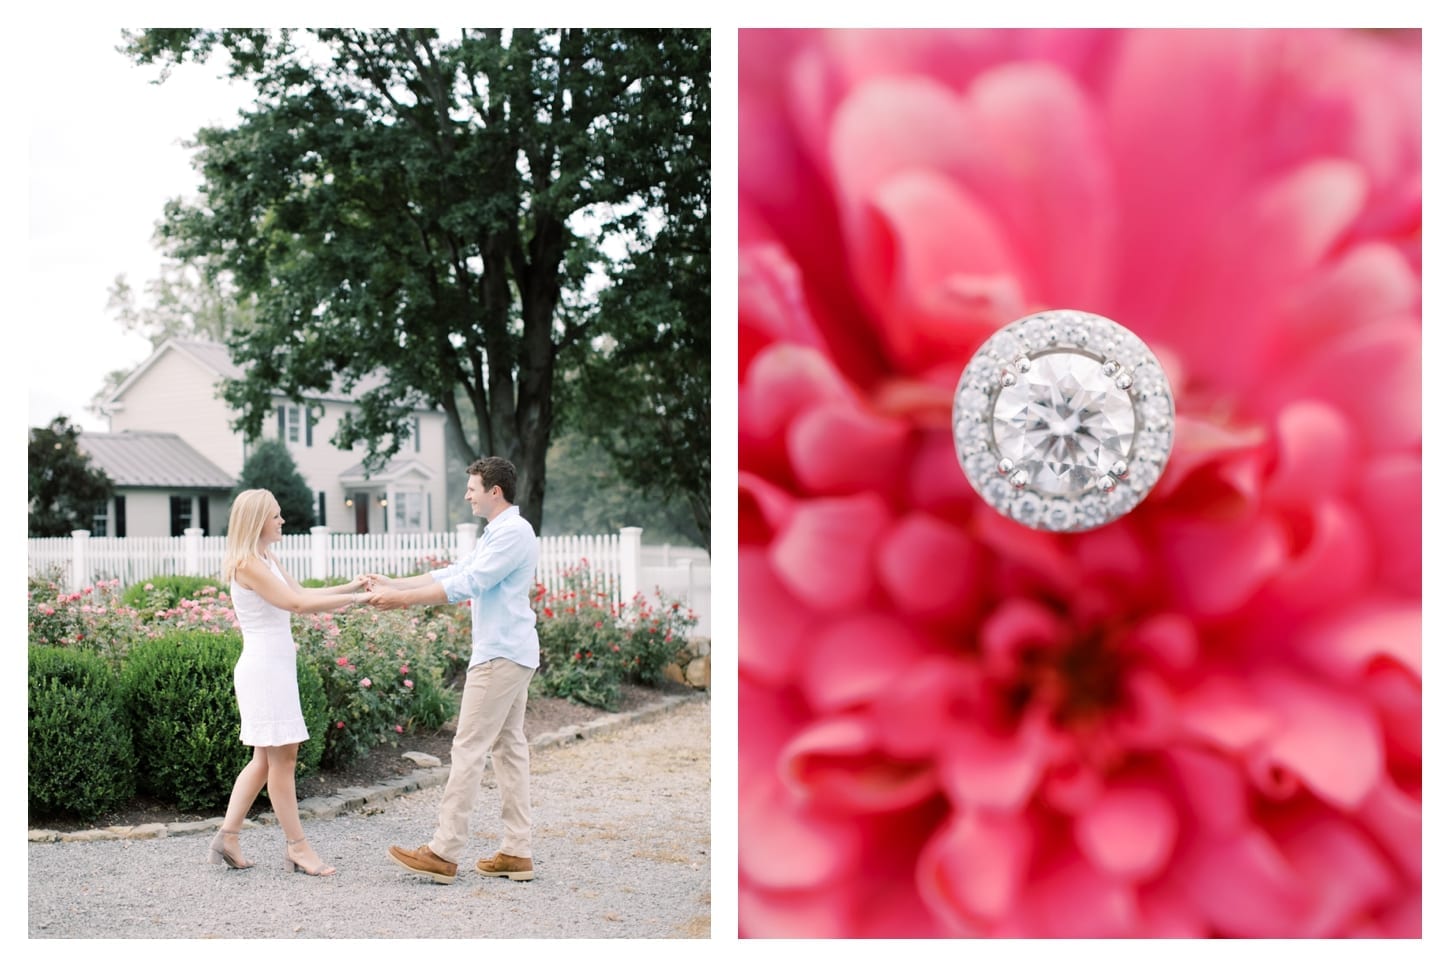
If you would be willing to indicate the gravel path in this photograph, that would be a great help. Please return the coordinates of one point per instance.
(621, 849)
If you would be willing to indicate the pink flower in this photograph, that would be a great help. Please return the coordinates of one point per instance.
(398, 729)
(339, 725)
(403, 670)
(407, 683)
(342, 662)
(1200, 720)
(365, 683)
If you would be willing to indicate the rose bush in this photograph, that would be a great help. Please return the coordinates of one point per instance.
(1200, 720)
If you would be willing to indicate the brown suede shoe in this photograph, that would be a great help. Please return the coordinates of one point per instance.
(513, 867)
(424, 862)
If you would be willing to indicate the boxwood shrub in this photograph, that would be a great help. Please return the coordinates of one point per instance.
(182, 707)
(82, 762)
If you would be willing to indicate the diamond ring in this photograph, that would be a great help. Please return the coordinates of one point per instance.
(1063, 420)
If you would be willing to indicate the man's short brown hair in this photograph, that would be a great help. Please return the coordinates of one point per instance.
(496, 472)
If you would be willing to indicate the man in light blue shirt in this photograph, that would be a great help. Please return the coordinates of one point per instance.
(497, 577)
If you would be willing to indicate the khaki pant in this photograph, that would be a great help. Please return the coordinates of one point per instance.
(490, 719)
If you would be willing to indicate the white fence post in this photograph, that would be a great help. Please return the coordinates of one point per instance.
(629, 539)
(467, 534)
(78, 570)
(193, 549)
(321, 546)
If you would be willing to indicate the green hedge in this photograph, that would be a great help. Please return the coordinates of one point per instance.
(82, 762)
(182, 707)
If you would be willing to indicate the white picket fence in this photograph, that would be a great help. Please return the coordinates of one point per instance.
(612, 560)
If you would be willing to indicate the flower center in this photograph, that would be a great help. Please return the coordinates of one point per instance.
(1078, 681)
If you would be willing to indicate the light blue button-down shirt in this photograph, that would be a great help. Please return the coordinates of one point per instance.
(497, 575)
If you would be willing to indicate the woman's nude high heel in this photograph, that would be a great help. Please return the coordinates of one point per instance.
(221, 851)
(292, 866)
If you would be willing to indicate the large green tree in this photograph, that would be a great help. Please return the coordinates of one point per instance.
(64, 487)
(442, 210)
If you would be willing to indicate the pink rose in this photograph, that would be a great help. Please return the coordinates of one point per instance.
(407, 683)
(1200, 720)
(365, 683)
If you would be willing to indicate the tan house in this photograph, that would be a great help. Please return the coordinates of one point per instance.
(176, 391)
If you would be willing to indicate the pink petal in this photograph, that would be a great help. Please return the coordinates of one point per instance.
(1243, 885)
(1016, 625)
(1225, 714)
(764, 509)
(936, 269)
(1327, 738)
(1370, 282)
(1075, 901)
(1372, 376)
(1268, 243)
(1391, 502)
(783, 846)
(972, 869)
(1169, 641)
(1212, 790)
(1394, 817)
(1344, 644)
(824, 554)
(782, 380)
(994, 772)
(856, 659)
(838, 763)
(838, 448)
(935, 482)
(773, 623)
(931, 569)
(1333, 563)
(772, 304)
(1129, 832)
(1315, 453)
(1348, 877)
(1215, 566)
(1038, 158)
(809, 914)
(915, 716)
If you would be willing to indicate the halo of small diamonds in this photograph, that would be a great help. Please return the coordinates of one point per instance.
(1063, 420)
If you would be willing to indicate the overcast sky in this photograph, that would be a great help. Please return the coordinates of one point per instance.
(106, 153)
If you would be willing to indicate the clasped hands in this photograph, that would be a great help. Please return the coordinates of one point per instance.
(379, 591)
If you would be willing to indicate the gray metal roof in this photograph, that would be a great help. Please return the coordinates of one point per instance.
(139, 458)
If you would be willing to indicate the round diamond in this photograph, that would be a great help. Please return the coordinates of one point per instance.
(1064, 422)
(1086, 400)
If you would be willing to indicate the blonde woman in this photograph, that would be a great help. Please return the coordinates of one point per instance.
(264, 596)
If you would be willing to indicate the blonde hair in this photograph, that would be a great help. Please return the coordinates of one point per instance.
(250, 511)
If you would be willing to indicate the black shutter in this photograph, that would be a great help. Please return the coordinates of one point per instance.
(282, 424)
(321, 509)
(204, 505)
(308, 411)
(417, 432)
(120, 516)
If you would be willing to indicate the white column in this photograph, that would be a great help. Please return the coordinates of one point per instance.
(629, 538)
(192, 542)
(467, 534)
(79, 569)
(321, 545)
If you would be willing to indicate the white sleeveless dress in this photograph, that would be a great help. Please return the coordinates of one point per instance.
(266, 674)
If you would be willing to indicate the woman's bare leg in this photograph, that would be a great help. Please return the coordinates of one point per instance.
(248, 784)
(282, 789)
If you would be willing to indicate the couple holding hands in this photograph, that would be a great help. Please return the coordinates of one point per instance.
(496, 577)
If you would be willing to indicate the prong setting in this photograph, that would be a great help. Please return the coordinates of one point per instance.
(1073, 435)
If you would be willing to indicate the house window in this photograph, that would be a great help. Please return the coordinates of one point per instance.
(408, 511)
(290, 424)
(180, 515)
(120, 516)
(99, 521)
